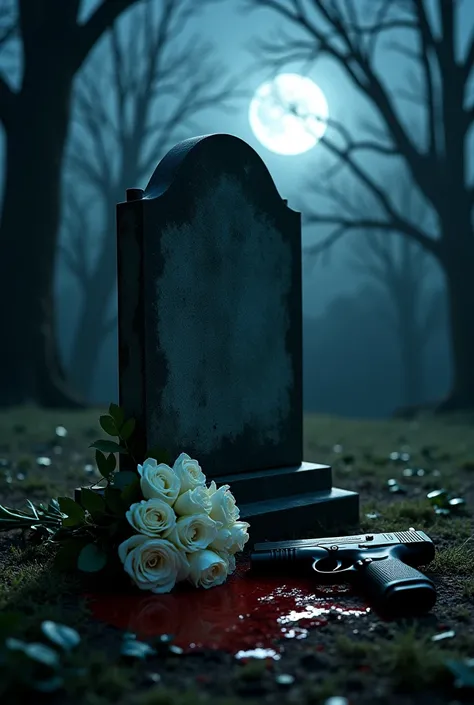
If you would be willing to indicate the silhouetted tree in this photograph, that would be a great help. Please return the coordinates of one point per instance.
(35, 116)
(412, 310)
(349, 34)
(130, 105)
(413, 307)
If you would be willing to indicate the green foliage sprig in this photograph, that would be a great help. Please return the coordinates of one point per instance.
(90, 529)
(42, 665)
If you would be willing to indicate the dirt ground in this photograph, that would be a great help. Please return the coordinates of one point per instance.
(358, 658)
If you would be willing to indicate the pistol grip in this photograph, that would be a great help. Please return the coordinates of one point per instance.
(397, 587)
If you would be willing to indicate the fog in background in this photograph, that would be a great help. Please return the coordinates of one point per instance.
(354, 364)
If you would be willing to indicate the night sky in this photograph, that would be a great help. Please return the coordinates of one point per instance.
(233, 32)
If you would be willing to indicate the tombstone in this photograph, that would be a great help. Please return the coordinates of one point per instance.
(210, 333)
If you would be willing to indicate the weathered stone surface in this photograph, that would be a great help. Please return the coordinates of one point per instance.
(210, 310)
(210, 332)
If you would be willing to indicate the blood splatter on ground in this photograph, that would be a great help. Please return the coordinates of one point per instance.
(248, 615)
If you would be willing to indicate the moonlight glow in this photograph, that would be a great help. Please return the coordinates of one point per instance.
(288, 115)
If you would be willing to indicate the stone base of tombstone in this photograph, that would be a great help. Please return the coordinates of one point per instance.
(302, 501)
(286, 502)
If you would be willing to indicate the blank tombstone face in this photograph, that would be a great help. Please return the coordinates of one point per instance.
(221, 321)
(222, 310)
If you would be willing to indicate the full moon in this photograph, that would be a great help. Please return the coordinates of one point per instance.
(288, 115)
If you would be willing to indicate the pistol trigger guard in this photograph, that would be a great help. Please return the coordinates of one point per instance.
(334, 569)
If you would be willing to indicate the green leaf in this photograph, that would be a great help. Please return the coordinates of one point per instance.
(61, 635)
(33, 508)
(127, 429)
(54, 506)
(68, 553)
(91, 559)
(7, 514)
(108, 447)
(131, 648)
(462, 671)
(117, 414)
(105, 463)
(111, 464)
(42, 654)
(101, 462)
(74, 512)
(48, 685)
(13, 644)
(92, 501)
(124, 479)
(113, 500)
(132, 493)
(159, 454)
(108, 425)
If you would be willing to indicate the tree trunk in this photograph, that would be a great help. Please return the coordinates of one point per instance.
(406, 298)
(460, 285)
(91, 331)
(411, 366)
(30, 370)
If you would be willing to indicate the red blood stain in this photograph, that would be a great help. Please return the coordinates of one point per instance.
(247, 616)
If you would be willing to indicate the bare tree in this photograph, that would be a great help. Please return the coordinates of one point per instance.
(403, 272)
(349, 33)
(400, 269)
(35, 117)
(155, 90)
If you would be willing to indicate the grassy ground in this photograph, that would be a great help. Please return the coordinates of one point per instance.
(366, 660)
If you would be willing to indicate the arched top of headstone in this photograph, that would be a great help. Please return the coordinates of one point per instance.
(226, 151)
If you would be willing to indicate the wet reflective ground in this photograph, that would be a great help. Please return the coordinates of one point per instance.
(247, 616)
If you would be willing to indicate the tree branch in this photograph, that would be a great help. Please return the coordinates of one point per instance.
(357, 66)
(397, 221)
(8, 102)
(352, 147)
(7, 33)
(428, 45)
(468, 62)
(101, 19)
(345, 225)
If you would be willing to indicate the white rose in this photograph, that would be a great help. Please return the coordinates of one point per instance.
(193, 533)
(207, 569)
(189, 472)
(224, 508)
(222, 541)
(196, 501)
(159, 480)
(153, 564)
(152, 517)
(239, 536)
(229, 559)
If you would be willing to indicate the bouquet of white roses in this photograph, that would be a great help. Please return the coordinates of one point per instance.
(160, 522)
(184, 530)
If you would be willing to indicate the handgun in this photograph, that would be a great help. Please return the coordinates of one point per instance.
(382, 566)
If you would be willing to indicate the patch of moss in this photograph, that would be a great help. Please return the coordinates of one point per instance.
(165, 696)
(468, 588)
(399, 515)
(413, 664)
(317, 693)
(454, 560)
(354, 650)
(102, 681)
(462, 613)
(252, 671)
(30, 586)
